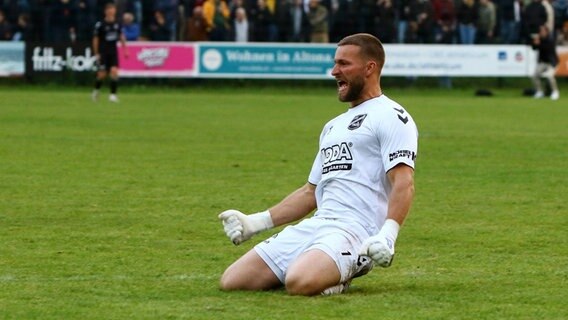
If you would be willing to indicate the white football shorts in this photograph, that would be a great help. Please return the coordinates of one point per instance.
(339, 239)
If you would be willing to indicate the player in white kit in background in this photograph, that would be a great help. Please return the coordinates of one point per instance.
(361, 183)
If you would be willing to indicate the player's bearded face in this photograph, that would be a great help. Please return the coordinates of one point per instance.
(349, 72)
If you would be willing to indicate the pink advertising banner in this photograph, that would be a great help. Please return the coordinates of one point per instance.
(157, 59)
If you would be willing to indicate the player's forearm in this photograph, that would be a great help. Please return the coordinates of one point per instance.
(402, 194)
(295, 206)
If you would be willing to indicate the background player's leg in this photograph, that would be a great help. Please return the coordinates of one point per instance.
(249, 272)
(549, 74)
(312, 273)
(101, 74)
(113, 84)
(536, 81)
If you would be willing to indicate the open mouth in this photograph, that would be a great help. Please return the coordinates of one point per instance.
(341, 85)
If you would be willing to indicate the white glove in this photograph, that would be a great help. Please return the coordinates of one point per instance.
(239, 227)
(380, 247)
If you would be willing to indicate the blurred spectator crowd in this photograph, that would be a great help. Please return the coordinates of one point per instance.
(322, 21)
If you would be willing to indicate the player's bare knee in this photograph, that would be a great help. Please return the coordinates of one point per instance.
(298, 285)
(227, 281)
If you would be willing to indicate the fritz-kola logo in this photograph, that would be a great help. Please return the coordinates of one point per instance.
(44, 59)
(337, 157)
(357, 121)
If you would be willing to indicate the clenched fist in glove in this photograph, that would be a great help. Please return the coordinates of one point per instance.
(240, 227)
(380, 247)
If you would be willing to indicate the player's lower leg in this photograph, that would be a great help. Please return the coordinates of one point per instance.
(97, 88)
(113, 90)
(555, 94)
(537, 86)
(113, 84)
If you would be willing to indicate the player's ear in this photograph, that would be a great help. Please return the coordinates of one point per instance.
(371, 67)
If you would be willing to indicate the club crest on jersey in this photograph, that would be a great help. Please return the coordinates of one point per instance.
(357, 121)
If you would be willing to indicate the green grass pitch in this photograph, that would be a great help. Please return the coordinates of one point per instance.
(109, 211)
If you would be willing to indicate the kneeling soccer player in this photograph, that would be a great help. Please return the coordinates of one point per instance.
(361, 182)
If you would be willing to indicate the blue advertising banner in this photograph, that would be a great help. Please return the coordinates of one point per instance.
(266, 60)
(11, 58)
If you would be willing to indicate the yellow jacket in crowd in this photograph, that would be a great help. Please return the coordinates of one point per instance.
(209, 9)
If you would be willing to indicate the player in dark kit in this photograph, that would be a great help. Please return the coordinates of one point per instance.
(106, 35)
(544, 43)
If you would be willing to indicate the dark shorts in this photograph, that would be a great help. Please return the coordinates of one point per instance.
(107, 61)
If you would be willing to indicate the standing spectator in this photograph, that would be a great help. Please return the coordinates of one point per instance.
(241, 27)
(445, 30)
(136, 8)
(63, 22)
(130, 28)
(402, 10)
(169, 9)
(468, 14)
(197, 26)
(13, 9)
(296, 23)
(445, 16)
(510, 12)
(486, 23)
(39, 18)
(263, 23)
(85, 16)
(547, 61)
(344, 20)
(23, 29)
(159, 30)
(121, 7)
(234, 5)
(420, 22)
(5, 27)
(534, 17)
(365, 15)
(217, 15)
(318, 22)
(385, 21)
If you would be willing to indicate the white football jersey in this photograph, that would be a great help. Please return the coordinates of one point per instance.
(357, 148)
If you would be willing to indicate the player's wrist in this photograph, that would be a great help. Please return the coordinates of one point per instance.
(390, 230)
(261, 221)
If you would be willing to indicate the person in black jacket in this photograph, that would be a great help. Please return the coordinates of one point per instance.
(534, 16)
(547, 61)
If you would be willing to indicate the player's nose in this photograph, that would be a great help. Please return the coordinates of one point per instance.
(335, 70)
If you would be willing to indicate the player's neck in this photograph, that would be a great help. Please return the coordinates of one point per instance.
(110, 19)
(367, 96)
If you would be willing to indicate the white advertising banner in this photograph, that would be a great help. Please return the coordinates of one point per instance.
(459, 60)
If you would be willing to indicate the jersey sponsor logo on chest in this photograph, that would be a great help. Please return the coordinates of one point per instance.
(337, 157)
